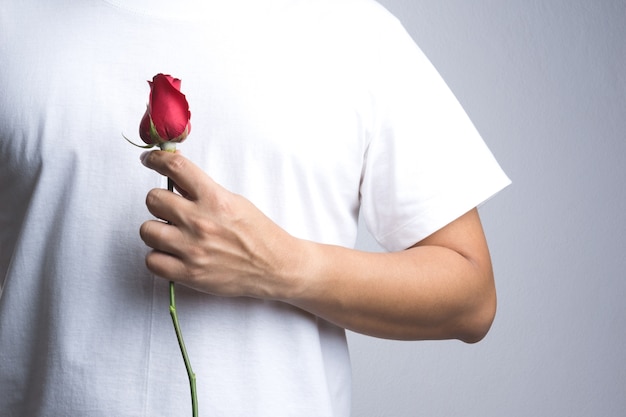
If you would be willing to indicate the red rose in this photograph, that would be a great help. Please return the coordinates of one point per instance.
(167, 116)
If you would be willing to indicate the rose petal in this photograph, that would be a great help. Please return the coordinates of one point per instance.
(168, 108)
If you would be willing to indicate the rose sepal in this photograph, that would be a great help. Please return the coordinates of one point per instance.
(154, 136)
(148, 146)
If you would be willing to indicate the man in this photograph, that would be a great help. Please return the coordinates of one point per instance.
(304, 113)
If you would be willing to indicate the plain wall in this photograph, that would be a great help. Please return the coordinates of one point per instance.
(545, 84)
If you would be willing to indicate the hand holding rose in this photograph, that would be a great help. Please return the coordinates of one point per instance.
(218, 242)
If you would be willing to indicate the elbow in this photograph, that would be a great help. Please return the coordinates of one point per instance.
(478, 322)
(481, 308)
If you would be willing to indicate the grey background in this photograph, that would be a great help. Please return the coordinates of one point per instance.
(545, 84)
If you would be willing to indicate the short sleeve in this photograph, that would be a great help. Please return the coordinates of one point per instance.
(426, 164)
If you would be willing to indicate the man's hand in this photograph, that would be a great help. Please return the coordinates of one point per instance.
(216, 241)
(220, 243)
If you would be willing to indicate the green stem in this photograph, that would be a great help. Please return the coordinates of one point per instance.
(179, 337)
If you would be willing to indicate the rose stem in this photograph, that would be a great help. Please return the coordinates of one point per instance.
(179, 336)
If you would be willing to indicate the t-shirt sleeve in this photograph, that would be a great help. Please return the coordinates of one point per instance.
(426, 164)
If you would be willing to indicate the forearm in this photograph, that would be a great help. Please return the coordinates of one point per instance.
(425, 292)
(220, 243)
(441, 288)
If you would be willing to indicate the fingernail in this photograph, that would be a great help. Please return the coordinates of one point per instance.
(143, 156)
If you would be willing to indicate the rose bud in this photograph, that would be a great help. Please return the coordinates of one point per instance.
(167, 116)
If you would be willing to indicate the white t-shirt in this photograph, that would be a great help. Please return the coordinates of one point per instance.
(312, 109)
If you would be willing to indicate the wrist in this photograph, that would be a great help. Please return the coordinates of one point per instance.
(299, 272)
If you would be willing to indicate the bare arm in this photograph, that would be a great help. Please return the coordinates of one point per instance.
(441, 288)
(219, 243)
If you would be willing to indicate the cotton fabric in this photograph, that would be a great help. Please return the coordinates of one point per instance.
(313, 110)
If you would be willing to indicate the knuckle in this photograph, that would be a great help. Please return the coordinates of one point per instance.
(150, 261)
(193, 253)
(228, 202)
(152, 197)
(176, 163)
(152, 233)
(144, 231)
(195, 276)
(202, 226)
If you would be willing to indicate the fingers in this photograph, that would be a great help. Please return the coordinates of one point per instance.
(166, 266)
(168, 206)
(189, 178)
(163, 237)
